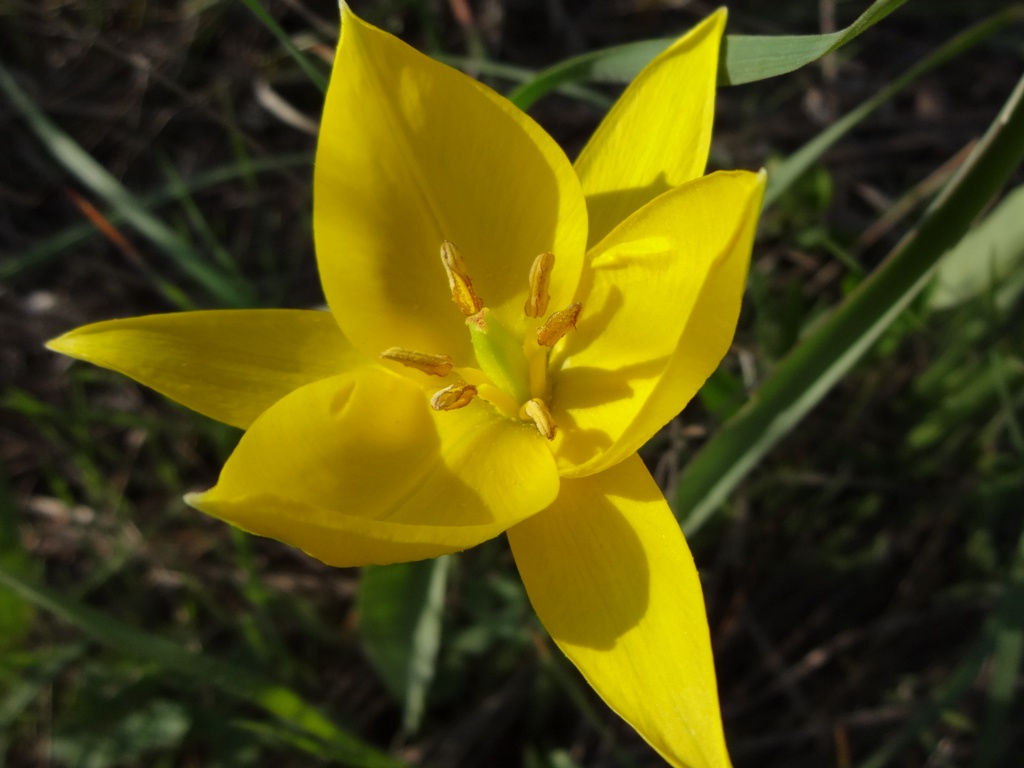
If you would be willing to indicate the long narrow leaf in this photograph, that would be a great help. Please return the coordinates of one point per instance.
(33, 679)
(1001, 637)
(1006, 666)
(517, 74)
(16, 614)
(744, 58)
(815, 366)
(748, 58)
(785, 173)
(401, 609)
(988, 259)
(318, 78)
(84, 167)
(42, 252)
(283, 703)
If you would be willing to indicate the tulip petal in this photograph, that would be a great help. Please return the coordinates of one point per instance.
(358, 469)
(412, 153)
(660, 304)
(611, 578)
(230, 365)
(657, 135)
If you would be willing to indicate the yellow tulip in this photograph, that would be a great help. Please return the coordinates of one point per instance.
(506, 329)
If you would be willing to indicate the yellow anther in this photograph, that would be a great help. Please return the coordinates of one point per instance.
(540, 278)
(453, 397)
(435, 365)
(463, 295)
(537, 410)
(559, 324)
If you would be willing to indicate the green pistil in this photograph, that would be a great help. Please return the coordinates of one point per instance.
(499, 355)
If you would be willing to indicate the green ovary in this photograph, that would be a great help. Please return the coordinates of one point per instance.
(500, 355)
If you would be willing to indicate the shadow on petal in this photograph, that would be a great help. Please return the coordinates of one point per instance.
(362, 457)
(589, 387)
(412, 152)
(584, 567)
(610, 576)
(574, 445)
(592, 406)
(606, 210)
(592, 320)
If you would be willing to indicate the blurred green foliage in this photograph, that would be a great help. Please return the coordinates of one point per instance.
(865, 581)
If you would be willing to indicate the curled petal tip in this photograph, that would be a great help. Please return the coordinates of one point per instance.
(195, 499)
(54, 345)
(66, 343)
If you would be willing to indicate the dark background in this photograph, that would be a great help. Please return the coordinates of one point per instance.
(847, 580)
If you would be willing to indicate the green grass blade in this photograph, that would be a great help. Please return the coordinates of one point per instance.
(1001, 379)
(1002, 636)
(401, 609)
(43, 252)
(198, 221)
(257, 624)
(618, 64)
(243, 158)
(516, 74)
(281, 702)
(785, 173)
(1004, 674)
(33, 679)
(84, 167)
(146, 729)
(810, 371)
(16, 613)
(955, 686)
(744, 58)
(318, 78)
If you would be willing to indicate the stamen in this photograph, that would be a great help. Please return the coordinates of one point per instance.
(453, 397)
(559, 324)
(537, 359)
(540, 278)
(435, 365)
(463, 295)
(537, 410)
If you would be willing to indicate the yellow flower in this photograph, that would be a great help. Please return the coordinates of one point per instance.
(505, 330)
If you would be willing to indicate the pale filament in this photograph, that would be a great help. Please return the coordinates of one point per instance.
(475, 383)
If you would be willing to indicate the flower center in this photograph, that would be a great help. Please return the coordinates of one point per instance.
(499, 355)
(512, 372)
